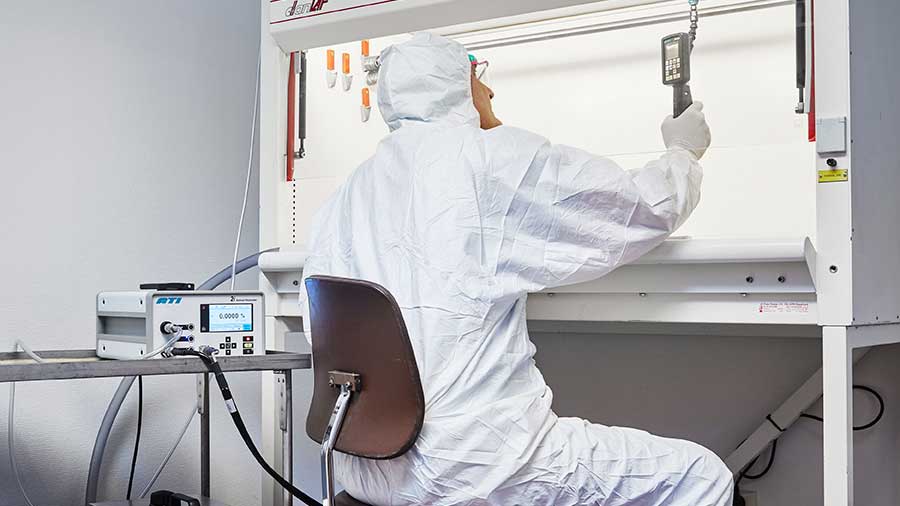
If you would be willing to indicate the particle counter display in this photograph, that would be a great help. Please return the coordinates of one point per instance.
(226, 317)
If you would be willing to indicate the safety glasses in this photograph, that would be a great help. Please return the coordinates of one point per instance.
(479, 67)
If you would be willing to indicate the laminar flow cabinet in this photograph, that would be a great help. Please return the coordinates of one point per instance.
(750, 262)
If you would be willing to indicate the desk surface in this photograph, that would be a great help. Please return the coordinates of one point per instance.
(81, 364)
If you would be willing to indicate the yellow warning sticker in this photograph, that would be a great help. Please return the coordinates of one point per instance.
(833, 176)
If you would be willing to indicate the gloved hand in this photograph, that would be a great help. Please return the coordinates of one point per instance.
(688, 131)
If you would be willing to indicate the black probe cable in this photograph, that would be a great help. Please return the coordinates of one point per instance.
(216, 370)
(137, 438)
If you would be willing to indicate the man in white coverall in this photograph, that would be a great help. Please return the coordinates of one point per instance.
(460, 218)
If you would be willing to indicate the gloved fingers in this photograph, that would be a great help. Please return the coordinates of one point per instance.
(688, 131)
(694, 113)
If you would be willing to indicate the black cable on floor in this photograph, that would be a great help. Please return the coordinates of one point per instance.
(137, 439)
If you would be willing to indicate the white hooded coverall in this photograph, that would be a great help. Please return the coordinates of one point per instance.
(460, 224)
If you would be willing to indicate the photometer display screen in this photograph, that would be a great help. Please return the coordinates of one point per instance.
(672, 49)
(226, 318)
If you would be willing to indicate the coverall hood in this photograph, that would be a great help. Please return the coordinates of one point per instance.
(427, 79)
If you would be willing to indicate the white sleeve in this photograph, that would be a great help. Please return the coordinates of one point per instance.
(574, 217)
(304, 313)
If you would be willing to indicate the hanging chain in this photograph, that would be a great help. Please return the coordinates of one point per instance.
(694, 18)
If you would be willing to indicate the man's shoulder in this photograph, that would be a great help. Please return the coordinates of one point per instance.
(508, 146)
(505, 133)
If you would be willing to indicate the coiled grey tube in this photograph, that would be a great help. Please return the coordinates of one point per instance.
(224, 275)
(90, 494)
(93, 481)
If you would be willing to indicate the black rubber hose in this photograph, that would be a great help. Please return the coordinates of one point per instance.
(216, 370)
(137, 437)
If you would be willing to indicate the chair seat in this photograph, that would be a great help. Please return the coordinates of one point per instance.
(344, 499)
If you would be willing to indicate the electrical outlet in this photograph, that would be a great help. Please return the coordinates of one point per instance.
(749, 498)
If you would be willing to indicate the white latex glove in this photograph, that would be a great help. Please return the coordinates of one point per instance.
(688, 131)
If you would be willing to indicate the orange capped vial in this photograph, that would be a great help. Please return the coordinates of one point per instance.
(331, 59)
(346, 63)
(365, 110)
(365, 48)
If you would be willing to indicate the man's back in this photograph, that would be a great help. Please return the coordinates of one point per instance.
(416, 226)
(460, 224)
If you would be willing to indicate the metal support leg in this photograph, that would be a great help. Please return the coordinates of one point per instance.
(204, 438)
(285, 425)
(332, 432)
(837, 367)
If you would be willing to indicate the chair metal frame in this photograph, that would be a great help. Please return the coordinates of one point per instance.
(349, 383)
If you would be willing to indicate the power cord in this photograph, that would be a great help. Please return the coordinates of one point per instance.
(11, 422)
(861, 427)
(237, 241)
(137, 438)
(745, 473)
(207, 356)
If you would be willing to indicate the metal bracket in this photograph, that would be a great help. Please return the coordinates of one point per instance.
(338, 379)
(282, 394)
(200, 394)
(284, 385)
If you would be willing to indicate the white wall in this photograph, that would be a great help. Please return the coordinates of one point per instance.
(124, 129)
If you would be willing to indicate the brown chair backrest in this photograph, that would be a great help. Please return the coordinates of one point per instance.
(357, 328)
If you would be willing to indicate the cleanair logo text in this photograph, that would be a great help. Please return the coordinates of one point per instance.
(299, 9)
